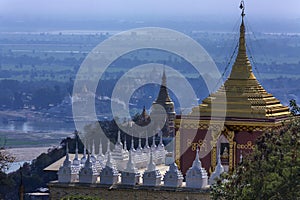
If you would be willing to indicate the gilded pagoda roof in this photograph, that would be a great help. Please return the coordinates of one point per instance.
(242, 95)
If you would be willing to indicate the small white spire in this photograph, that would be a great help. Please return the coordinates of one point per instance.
(173, 167)
(218, 170)
(132, 144)
(151, 165)
(100, 148)
(109, 161)
(76, 151)
(241, 156)
(76, 160)
(93, 155)
(125, 144)
(67, 161)
(160, 139)
(88, 163)
(93, 148)
(130, 164)
(119, 138)
(153, 142)
(197, 162)
(147, 141)
(140, 144)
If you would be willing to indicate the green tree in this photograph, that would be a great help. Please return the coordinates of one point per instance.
(271, 171)
(5, 159)
(295, 109)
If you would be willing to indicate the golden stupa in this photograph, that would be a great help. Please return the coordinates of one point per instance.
(245, 97)
(230, 118)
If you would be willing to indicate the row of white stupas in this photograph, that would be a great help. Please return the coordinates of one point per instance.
(120, 166)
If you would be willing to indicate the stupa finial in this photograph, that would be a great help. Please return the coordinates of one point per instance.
(242, 68)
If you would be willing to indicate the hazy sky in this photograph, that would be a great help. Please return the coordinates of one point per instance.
(88, 9)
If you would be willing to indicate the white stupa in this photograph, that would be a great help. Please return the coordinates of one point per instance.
(109, 174)
(218, 171)
(75, 166)
(151, 176)
(130, 176)
(173, 177)
(196, 176)
(88, 174)
(64, 173)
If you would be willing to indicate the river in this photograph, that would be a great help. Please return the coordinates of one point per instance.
(34, 133)
(27, 140)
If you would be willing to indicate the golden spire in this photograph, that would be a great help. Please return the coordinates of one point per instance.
(245, 97)
(242, 68)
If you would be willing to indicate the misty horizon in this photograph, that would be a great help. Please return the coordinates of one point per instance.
(265, 16)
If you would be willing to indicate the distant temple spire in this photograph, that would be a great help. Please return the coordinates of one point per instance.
(143, 119)
(163, 95)
(163, 99)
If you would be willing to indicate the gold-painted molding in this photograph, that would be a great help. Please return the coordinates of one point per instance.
(234, 157)
(213, 157)
(177, 148)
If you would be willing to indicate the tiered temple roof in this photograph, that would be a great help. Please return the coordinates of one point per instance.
(245, 97)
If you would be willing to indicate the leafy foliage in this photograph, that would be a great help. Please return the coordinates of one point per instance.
(295, 110)
(32, 174)
(5, 159)
(272, 171)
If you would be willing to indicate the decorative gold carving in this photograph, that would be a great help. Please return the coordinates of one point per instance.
(201, 144)
(248, 146)
(229, 135)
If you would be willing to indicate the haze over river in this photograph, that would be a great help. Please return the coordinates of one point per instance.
(34, 133)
